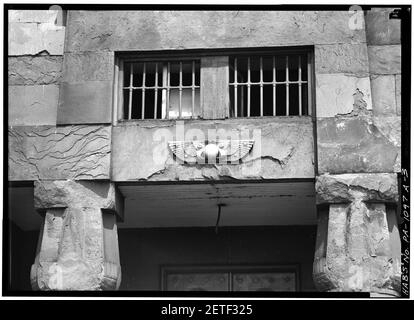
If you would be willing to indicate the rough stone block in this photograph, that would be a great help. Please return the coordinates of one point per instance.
(32, 38)
(358, 144)
(38, 70)
(380, 28)
(33, 105)
(384, 59)
(49, 153)
(335, 94)
(85, 102)
(282, 149)
(383, 94)
(398, 93)
(88, 66)
(82, 194)
(342, 58)
(340, 188)
(157, 30)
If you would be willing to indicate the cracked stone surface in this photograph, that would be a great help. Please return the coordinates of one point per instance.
(140, 152)
(335, 93)
(117, 30)
(358, 143)
(70, 152)
(341, 188)
(34, 70)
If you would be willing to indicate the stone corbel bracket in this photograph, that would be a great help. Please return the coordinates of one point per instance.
(357, 246)
(78, 242)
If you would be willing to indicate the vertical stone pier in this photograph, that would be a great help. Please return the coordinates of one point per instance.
(358, 245)
(78, 242)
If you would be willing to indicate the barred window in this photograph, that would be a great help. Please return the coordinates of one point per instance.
(237, 83)
(270, 85)
(161, 89)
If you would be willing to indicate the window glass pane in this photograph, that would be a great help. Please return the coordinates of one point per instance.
(136, 104)
(304, 63)
(174, 73)
(127, 72)
(267, 100)
(280, 100)
(293, 68)
(304, 99)
(137, 73)
(267, 68)
(187, 73)
(150, 74)
(242, 69)
(280, 68)
(293, 99)
(255, 69)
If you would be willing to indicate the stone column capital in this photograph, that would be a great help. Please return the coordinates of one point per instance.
(78, 241)
(357, 245)
(83, 194)
(344, 188)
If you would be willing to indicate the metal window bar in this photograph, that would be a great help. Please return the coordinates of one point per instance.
(131, 79)
(193, 89)
(236, 84)
(165, 89)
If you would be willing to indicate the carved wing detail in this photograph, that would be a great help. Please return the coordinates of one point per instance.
(235, 150)
(185, 150)
(192, 151)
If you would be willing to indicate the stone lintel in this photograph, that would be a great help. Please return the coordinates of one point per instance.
(343, 188)
(79, 194)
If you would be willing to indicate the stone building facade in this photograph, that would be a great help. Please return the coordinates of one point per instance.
(313, 205)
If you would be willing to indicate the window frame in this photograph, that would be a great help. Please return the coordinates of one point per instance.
(199, 54)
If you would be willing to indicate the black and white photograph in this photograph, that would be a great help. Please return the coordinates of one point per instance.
(208, 151)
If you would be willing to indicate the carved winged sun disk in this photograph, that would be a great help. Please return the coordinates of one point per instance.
(217, 151)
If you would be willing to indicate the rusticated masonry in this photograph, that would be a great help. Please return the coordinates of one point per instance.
(78, 243)
(49, 153)
(358, 244)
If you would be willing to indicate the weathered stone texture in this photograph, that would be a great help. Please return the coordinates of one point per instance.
(34, 70)
(33, 38)
(156, 30)
(384, 95)
(88, 66)
(70, 193)
(282, 149)
(357, 248)
(358, 144)
(36, 16)
(340, 188)
(78, 244)
(72, 253)
(358, 254)
(398, 93)
(346, 58)
(380, 29)
(87, 102)
(71, 152)
(384, 59)
(335, 93)
(33, 105)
